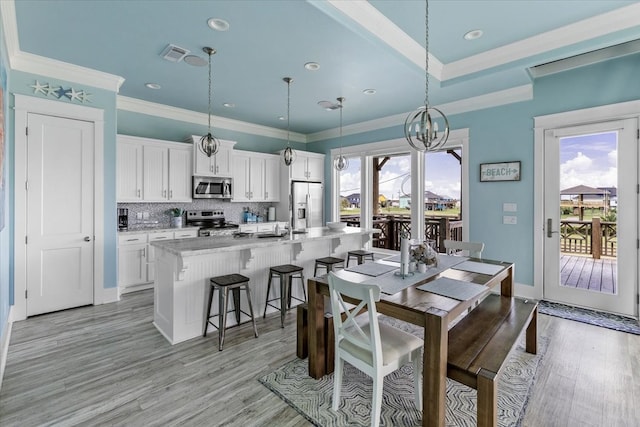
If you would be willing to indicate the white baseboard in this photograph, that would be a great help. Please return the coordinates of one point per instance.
(526, 291)
(110, 295)
(4, 345)
(136, 288)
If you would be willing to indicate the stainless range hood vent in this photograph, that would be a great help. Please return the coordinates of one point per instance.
(174, 53)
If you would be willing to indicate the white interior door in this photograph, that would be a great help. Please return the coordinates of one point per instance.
(60, 217)
(624, 165)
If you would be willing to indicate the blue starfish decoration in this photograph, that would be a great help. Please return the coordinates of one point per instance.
(61, 92)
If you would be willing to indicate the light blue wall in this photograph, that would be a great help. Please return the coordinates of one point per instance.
(506, 133)
(20, 84)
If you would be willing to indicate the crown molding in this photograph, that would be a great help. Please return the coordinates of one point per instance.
(180, 114)
(60, 70)
(372, 20)
(607, 23)
(494, 99)
(10, 29)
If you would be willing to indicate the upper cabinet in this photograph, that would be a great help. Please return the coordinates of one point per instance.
(217, 165)
(307, 167)
(150, 170)
(256, 177)
(128, 170)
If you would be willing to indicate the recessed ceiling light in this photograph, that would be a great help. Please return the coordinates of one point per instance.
(369, 91)
(153, 85)
(312, 66)
(195, 60)
(218, 24)
(229, 104)
(473, 34)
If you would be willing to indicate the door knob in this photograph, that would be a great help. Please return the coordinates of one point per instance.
(87, 238)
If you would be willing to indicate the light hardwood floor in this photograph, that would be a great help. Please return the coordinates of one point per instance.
(107, 365)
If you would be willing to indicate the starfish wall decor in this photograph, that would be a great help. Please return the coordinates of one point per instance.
(59, 92)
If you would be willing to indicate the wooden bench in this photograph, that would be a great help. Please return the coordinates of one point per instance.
(480, 343)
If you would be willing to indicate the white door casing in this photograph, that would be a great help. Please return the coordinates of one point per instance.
(24, 105)
(591, 120)
(59, 213)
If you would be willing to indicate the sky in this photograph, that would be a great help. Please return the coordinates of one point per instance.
(589, 160)
(442, 176)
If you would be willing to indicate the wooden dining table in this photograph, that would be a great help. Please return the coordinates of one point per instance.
(434, 312)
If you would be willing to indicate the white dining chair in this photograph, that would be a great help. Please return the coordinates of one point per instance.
(377, 349)
(472, 249)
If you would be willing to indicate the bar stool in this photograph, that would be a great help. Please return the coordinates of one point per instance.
(328, 263)
(286, 273)
(222, 284)
(360, 255)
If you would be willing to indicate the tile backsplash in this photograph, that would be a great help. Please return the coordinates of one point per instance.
(158, 213)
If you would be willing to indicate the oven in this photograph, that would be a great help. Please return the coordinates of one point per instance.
(210, 223)
(207, 187)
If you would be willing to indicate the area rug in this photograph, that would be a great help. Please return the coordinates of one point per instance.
(592, 317)
(312, 398)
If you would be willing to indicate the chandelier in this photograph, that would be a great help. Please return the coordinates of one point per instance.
(341, 162)
(288, 155)
(209, 144)
(420, 126)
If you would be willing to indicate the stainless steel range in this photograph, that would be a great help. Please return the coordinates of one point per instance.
(211, 223)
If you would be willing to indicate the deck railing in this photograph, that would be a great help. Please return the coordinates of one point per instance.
(596, 238)
(390, 226)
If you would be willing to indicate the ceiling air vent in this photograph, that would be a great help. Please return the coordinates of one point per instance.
(174, 53)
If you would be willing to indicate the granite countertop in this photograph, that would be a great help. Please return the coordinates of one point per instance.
(204, 245)
(152, 228)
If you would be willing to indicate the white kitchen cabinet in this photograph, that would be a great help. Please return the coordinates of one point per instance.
(128, 171)
(160, 169)
(136, 257)
(151, 258)
(255, 177)
(307, 167)
(186, 234)
(132, 260)
(220, 164)
(155, 173)
(272, 179)
(180, 172)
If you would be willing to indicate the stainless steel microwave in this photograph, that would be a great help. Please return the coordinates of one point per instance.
(207, 187)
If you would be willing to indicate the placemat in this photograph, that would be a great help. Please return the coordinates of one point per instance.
(452, 288)
(479, 267)
(391, 283)
(372, 268)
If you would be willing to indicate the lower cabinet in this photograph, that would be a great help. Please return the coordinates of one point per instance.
(136, 257)
(261, 227)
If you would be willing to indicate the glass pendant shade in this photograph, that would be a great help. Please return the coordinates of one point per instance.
(341, 162)
(421, 129)
(209, 144)
(288, 155)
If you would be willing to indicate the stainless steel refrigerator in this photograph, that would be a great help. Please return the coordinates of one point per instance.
(307, 204)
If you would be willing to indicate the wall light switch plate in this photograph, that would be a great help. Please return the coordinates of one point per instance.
(145, 215)
(510, 219)
(138, 215)
(510, 207)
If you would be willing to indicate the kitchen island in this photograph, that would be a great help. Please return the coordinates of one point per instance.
(183, 269)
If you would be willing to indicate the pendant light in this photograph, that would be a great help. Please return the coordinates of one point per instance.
(420, 128)
(341, 162)
(288, 155)
(209, 144)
